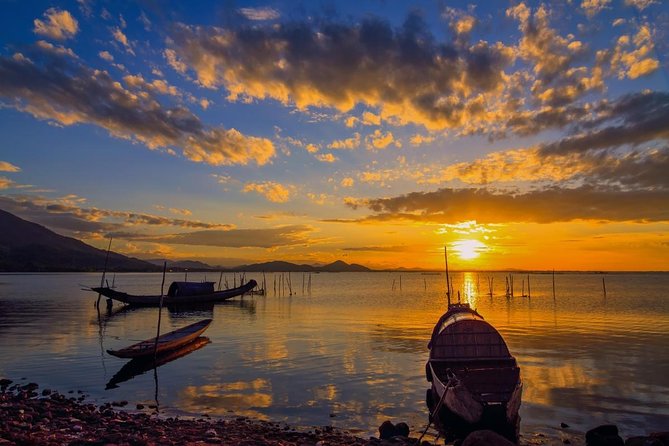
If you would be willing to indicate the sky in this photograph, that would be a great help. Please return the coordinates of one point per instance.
(518, 134)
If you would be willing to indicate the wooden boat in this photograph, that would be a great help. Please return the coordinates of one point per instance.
(179, 293)
(475, 380)
(139, 366)
(166, 342)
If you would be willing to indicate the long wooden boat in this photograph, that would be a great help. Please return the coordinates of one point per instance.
(476, 382)
(179, 293)
(166, 342)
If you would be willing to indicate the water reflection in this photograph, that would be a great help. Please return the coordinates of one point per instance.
(139, 366)
(355, 348)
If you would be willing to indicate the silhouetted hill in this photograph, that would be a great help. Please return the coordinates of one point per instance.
(192, 265)
(279, 266)
(340, 267)
(26, 246)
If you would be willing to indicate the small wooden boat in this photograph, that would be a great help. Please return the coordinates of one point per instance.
(475, 381)
(166, 342)
(179, 293)
(139, 366)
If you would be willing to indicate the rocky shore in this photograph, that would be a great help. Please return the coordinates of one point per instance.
(30, 416)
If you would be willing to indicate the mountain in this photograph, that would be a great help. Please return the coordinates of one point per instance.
(192, 265)
(26, 246)
(340, 267)
(279, 266)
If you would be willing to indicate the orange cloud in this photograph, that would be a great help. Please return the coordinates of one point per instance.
(57, 24)
(272, 191)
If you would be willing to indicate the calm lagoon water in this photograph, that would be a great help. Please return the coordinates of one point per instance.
(351, 353)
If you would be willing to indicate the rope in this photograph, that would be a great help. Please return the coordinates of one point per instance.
(436, 412)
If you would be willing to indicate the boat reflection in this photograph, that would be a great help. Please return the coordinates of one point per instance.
(140, 366)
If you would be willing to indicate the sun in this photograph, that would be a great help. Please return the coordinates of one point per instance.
(468, 249)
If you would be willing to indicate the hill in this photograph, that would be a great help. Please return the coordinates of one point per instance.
(26, 246)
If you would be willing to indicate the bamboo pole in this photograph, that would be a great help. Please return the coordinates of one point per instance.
(529, 293)
(448, 284)
(160, 311)
(219, 280)
(553, 284)
(604, 287)
(104, 272)
(400, 282)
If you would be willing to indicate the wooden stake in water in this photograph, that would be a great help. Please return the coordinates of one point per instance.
(529, 293)
(400, 282)
(553, 284)
(219, 280)
(160, 311)
(104, 271)
(448, 282)
(604, 287)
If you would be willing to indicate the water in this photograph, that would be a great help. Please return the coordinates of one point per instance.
(352, 353)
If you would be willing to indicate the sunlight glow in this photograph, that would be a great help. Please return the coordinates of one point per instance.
(468, 249)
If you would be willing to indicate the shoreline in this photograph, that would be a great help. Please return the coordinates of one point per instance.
(33, 416)
(29, 415)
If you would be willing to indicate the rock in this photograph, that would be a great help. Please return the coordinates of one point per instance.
(564, 425)
(140, 406)
(604, 435)
(387, 430)
(211, 433)
(662, 436)
(486, 438)
(402, 429)
(643, 441)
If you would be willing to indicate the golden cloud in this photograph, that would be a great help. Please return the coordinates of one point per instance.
(49, 86)
(272, 191)
(57, 24)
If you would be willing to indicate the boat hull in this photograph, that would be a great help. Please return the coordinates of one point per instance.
(166, 342)
(475, 381)
(178, 300)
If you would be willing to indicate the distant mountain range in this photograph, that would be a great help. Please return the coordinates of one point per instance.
(26, 246)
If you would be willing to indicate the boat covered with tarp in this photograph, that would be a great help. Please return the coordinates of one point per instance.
(179, 293)
(475, 380)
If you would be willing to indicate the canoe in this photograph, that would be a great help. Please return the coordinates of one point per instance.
(139, 366)
(179, 293)
(475, 380)
(166, 342)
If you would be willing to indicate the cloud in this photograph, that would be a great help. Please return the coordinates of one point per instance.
(632, 119)
(640, 4)
(347, 182)
(240, 238)
(541, 206)
(380, 140)
(319, 199)
(326, 158)
(594, 7)
(6, 183)
(274, 192)
(58, 88)
(404, 73)
(347, 143)
(259, 14)
(377, 248)
(635, 169)
(632, 56)
(369, 118)
(8, 167)
(558, 78)
(120, 37)
(106, 55)
(67, 214)
(418, 139)
(57, 24)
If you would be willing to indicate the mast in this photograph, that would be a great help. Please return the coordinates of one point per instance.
(448, 283)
